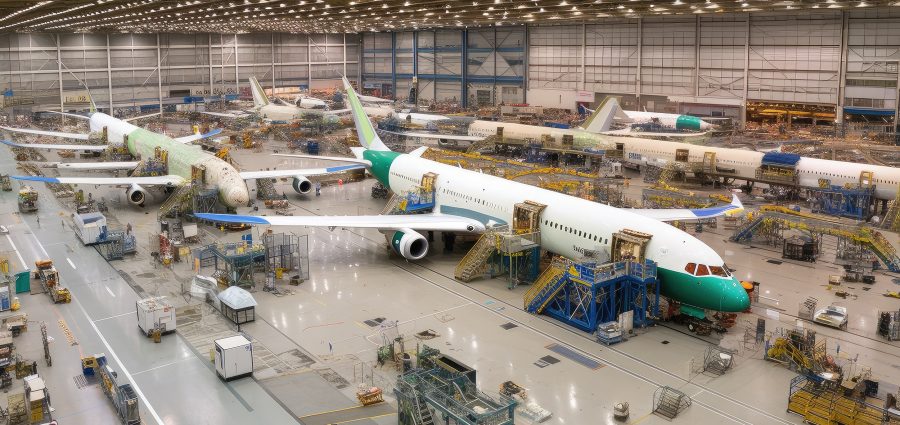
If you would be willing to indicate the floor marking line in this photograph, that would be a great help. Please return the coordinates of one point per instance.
(71, 263)
(331, 411)
(113, 317)
(161, 366)
(110, 291)
(137, 388)
(362, 419)
(586, 353)
(18, 254)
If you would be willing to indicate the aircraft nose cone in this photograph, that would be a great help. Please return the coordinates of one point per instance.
(734, 297)
(237, 197)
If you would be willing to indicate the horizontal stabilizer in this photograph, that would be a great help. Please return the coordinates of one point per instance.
(92, 148)
(170, 180)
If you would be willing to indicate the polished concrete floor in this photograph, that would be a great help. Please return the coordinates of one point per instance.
(354, 279)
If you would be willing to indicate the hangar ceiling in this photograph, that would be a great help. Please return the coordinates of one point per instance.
(316, 16)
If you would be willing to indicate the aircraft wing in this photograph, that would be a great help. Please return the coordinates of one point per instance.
(436, 222)
(125, 165)
(198, 136)
(47, 133)
(672, 135)
(273, 174)
(338, 111)
(461, 137)
(225, 114)
(170, 180)
(365, 162)
(673, 214)
(94, 148)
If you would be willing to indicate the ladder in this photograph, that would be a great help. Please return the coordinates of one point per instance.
(545, 287)
(474, 263)
(391, 206)
(176, 200)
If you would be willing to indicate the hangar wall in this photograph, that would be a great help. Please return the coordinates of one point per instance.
(710, 64)
(147, 70)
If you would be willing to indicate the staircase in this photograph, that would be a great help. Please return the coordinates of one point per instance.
(474, 263)
(423, 413)
(545, 287)
(891, 221)
(176, 200)
(884, 251)
(670, 402)
(745, 231)
(391, 206)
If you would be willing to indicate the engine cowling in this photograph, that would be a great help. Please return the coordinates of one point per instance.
(410, 244)
(302, 185)
(136, 194)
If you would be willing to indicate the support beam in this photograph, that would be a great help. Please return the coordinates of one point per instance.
(464, 101)
(59, 67)
(746, 72)
(237, 73)
(583, 58)
(159, 75)
(696, 57)
(842, 77)
(637, 79)
(273, 63)
(109, 74)
(309, 52)
(209, 53)
(525, 68)
(394, 65)
(345, 55)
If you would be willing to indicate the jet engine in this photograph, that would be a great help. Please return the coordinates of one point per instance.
(302, 185)
(410, 244)
(136, 194)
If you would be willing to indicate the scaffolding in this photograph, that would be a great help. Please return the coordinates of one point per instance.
(420, 392)
(824, 401)
(772, 221)
(235, 263)
(587, 295)
(287, 252)
(669, 402)
(839, 201)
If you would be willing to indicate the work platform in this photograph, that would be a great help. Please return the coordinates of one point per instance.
(586, 295)
(774, 220)
(451, 394)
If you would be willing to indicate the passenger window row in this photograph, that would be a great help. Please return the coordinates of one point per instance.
(576, 232)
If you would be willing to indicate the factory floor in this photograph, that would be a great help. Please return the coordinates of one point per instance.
(353, 279)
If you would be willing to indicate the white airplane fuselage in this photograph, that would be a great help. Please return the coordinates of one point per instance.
(640, 152)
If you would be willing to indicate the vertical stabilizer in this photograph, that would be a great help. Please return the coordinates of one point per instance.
(368, 138)
(259, 95)
(604, 116)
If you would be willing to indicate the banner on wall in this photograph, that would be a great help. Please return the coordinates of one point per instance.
(584, 96)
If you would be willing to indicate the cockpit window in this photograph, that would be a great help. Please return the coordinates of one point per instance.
(719, 271)
(702, 270)
(690, 267)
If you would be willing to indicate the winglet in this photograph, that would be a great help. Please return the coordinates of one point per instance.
(364, 129)
(736, 203)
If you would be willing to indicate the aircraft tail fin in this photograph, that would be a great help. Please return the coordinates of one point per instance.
(368, 138)
(603, 117)
(259, 95)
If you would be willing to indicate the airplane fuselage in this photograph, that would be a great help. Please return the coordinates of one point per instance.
(669, 121)
(640, 152)
(142, 143)
(569, 226)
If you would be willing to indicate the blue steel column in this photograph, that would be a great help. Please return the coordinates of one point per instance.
(465, 68)
(394, 64)
(525, 68)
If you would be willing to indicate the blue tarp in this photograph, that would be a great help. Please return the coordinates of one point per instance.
(864, 111)
(780, 159)
(556, 125)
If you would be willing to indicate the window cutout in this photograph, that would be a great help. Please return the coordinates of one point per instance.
(690, 268)
(702, 270)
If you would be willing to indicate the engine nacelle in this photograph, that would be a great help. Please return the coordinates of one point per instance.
(136, 194)
(410, 244)
(302, 185)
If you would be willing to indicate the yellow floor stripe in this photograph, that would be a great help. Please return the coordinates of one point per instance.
(331, 411)
(362, 419)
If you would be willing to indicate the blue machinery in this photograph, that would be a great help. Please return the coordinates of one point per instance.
(586, 295)
(844, 202)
